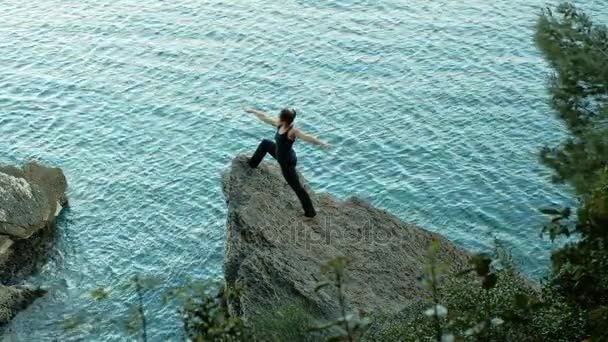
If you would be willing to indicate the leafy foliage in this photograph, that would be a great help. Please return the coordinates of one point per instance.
(509, 311)
(205, 314)
(432, 273)
(559, 224)
(207, 318)
(578, 51)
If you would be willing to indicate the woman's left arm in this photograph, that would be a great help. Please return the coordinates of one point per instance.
(310, 139)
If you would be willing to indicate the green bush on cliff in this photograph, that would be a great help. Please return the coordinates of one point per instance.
(206, 317)
(205, 314)
(578, 51)
(512, 310)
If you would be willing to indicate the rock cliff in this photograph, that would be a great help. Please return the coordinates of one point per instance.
(30, 199)
(275, 255)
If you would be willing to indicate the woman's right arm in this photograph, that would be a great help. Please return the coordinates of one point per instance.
(263, 117)
(310, 139)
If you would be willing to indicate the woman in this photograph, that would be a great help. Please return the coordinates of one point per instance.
(281, 150)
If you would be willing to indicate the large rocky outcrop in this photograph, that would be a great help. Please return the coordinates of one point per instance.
(275, 255)
(30, 199)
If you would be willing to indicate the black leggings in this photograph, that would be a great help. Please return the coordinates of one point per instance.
(289, 172)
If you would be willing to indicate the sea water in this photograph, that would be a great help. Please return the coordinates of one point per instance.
(436, 110)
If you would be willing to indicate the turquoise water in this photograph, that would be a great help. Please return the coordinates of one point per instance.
(436, 111)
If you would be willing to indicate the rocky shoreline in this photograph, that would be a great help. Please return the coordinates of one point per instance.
(271, 251)
(275, 256)
(31, 198)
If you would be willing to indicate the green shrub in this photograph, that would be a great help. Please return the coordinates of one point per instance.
(468, 304)
(205, 314)
(577, 49)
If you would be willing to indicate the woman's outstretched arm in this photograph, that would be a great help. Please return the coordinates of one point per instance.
(310, 139)
(263, 117)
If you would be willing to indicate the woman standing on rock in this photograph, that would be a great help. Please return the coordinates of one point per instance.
(281, 149)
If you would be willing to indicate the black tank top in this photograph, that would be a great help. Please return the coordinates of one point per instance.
(285, 152)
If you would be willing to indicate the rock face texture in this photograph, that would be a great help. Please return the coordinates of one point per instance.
(30, 199)
(275, 255)
(13, 299)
